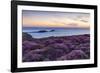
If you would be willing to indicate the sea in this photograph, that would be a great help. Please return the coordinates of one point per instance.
(42, 32)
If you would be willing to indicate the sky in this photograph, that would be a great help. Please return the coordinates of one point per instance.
(31, 18)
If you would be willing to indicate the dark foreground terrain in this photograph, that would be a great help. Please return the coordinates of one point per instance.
(76, 47)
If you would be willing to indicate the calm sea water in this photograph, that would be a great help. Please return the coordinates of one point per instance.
(57, 31)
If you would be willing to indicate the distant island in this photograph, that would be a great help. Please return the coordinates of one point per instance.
(75, 47)
(42, 31)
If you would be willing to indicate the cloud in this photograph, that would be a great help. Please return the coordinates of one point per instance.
(58, 19)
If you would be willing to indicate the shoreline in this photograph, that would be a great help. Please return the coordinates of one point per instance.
(27, 33)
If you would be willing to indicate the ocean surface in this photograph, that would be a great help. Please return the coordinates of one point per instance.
(48, 32)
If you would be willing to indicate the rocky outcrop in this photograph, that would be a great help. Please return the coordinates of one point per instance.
(26, 36)
(76, 47)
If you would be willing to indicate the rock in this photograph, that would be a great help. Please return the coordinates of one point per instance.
(31, 45)
(31, 57)
(85, 47)
(74, 47)
(48, 42)
(52, 53)
(74, 55)
(39, 51)
(59, 40)
(77, 54)
(78, 39)
(26, 36)
(52, 30)
(42, 31)
(61, 46)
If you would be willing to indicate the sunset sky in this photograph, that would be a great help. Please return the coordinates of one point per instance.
(55, 19)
